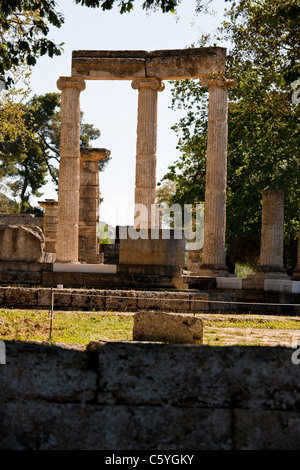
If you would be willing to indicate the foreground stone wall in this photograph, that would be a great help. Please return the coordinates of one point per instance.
(126, 396)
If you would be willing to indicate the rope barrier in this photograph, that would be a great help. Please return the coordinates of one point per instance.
(235, 303)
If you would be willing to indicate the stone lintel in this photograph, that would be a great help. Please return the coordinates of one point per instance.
(97, 154)
(166, 64)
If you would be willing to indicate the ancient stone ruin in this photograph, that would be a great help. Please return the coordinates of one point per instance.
(70, 232)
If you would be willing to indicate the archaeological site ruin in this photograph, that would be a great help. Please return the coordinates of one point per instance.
(64, 249)
(143, 394)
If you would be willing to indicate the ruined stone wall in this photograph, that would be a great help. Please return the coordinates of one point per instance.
(21, 219)
(239, 301)
(135, 396)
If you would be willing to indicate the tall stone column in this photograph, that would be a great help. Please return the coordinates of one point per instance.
(296, 273)
(271, 248)
(50, 224)
(213, 260)
(69, 168)
(145, 174)
(89, 200)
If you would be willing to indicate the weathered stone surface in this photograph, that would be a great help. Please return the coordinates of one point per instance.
(167, 64)
(150, 251)
(296, 273)
(104, 68)
(234, 377)
(172, 397)
(21, 243)
(271, 254)
(167, 327)
(199, 302)
(173, 301)
(120, 300)
(270, 430)
(216, 177)
(21, 219)
(145, 171)
(20, 296)
(50, 426)
(69, 170)
(36, 372)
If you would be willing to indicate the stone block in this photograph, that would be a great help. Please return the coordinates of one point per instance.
(104, 68)
(172, 301)
(54, 426)
(147, 250)
(175, 67)
(68, 207)
(86, 205)
(222, 301)
(120, 300)
(266, 430)
(21, 243)
(20, 296)
(88, 300)
(69, 174)
(229, 283)
(167, 327)
(296, 287)
(167, 64)
(279, 285)
(199, 302)
(46, 372)
(200, 282)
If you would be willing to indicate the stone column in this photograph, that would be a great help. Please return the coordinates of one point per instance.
(296, 273)
(89, 200)
(50, 224)
(68, 189)
(213, 260)
(271, 248)
(145, 175)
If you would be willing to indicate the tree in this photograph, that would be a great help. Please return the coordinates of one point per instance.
(24, 25)
(263, 124)
(35, 156)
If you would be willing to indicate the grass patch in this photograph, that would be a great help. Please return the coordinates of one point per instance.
(67, 327)
(79, 328)
(263, 323)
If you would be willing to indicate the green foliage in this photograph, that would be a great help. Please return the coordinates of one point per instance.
(24, 26)
(263, 127)
(29, 159)
(126, 6)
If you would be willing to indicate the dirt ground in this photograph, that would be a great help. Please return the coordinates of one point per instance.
(273, 334)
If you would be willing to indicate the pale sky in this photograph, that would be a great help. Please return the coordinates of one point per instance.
(111, 106)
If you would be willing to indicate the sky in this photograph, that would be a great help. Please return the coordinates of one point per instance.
(111, 106)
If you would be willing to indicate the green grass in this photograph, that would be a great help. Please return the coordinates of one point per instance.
(67, 327)
(288, 324)
(80, 328)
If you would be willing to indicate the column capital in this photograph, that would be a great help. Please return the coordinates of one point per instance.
(154, 83)
(70, 82)
(48, 203)
(218, 81)
(93, 154)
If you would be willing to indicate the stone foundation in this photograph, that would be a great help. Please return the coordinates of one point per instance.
(133, 396)
(119, 299)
